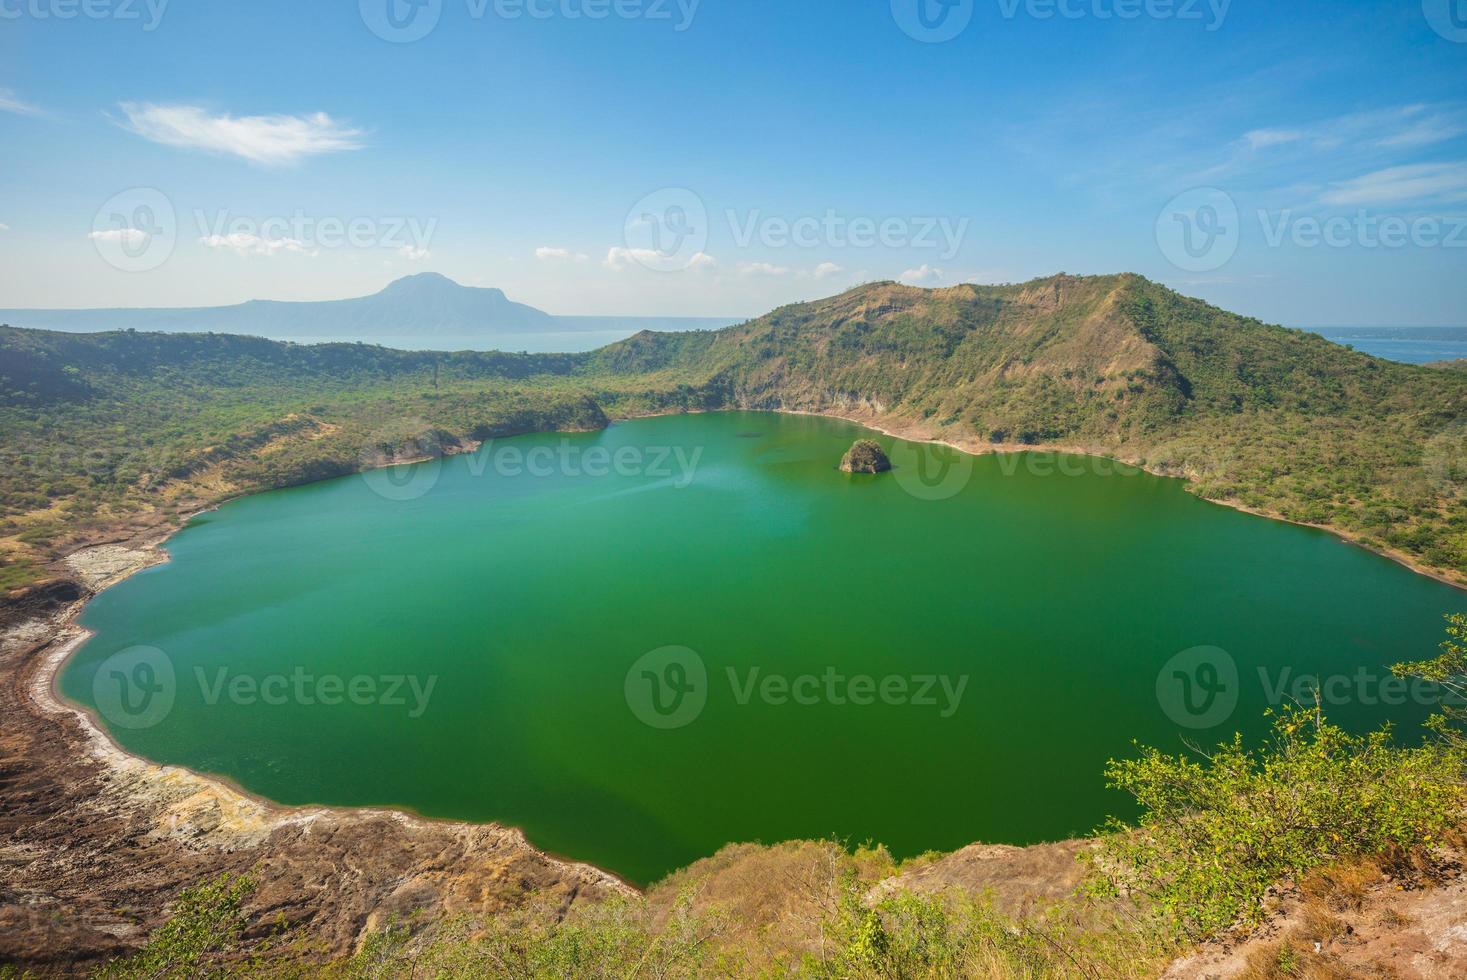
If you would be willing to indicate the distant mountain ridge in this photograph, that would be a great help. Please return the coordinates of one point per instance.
(1278, 421)
(420, 305)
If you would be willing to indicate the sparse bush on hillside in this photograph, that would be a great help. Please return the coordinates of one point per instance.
(196, 941)
(1219, 828)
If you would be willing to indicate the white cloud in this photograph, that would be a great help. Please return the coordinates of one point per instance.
(4, 226)
(761, 269)
(413, 253)
(269, 140)
(923, 275)
(10, 103)
(1258, 139)
(619, 258)
(827, 269)
(1435, 182)
(1394, 128)
(244, 243)
(548, 253)
(130, 236)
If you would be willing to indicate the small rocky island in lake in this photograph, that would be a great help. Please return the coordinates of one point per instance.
(865, 456)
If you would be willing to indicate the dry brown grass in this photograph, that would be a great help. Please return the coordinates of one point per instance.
(777, 899)
(1342, 887)
(1294, 959)
(1393, 918)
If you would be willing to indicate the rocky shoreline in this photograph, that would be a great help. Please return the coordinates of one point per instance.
(96, 842)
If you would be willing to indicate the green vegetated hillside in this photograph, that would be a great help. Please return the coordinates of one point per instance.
(1277, 420)
(105, 432)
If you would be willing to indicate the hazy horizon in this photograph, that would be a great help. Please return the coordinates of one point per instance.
(1299, 164)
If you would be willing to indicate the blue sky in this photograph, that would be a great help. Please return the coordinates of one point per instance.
(725, 156)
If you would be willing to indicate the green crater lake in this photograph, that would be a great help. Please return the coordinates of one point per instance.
(943, 654)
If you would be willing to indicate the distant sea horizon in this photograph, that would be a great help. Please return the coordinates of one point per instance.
(1409, 345)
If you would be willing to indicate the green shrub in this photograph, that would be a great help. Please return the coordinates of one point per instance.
(206, 925)
(1219, 828)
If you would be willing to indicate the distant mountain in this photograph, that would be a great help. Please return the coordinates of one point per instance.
(427, 304)
(1279, 421)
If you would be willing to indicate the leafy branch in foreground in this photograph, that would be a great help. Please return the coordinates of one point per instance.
(1449, 670)
(1218, 829)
